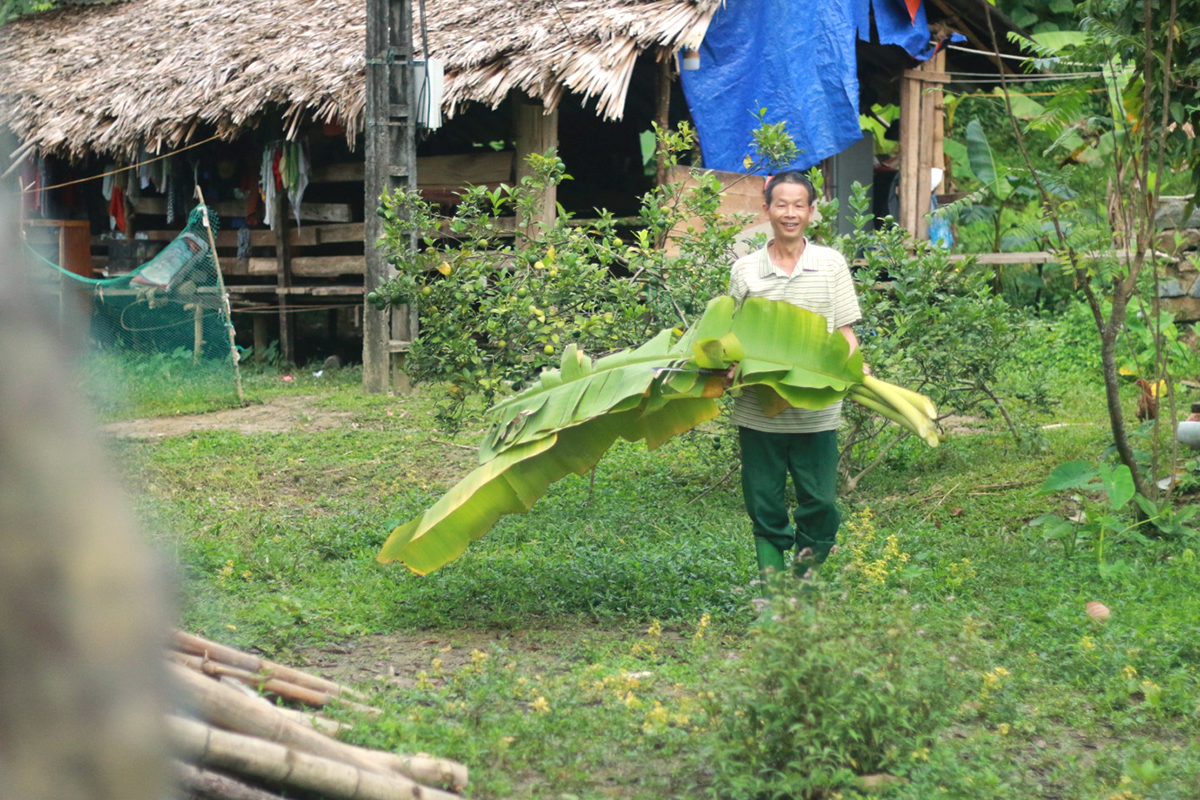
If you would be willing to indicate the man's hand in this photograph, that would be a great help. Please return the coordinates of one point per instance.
(729, 374)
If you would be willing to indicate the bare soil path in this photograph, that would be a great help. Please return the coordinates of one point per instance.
(278, 415)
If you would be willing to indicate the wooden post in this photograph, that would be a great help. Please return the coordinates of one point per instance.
(910, 93)
(390, 162)
(662, 111)
(536, 132)
(283, 279)
(938, 101)
(197, 332)
(404, 330)
(260, 338)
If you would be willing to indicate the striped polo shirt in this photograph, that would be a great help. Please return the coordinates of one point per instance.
(821, 282)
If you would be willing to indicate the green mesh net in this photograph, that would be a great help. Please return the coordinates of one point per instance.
(159, 339)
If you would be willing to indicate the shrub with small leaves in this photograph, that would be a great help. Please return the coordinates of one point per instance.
(500, 293)
(832, 690)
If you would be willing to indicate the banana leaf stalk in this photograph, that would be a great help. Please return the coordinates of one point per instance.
(669, 385)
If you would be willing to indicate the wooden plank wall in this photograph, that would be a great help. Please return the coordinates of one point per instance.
(921, 124)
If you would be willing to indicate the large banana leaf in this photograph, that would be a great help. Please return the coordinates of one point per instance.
(513, 481)
(788, 351)
(579, 390)
(568, 420)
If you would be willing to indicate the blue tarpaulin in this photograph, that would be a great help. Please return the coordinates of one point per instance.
(797, 61)
(894, 26)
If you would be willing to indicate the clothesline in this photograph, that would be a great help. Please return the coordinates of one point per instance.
(1028, 94)
(32, 190)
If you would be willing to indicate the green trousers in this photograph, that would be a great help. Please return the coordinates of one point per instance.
(811, 460)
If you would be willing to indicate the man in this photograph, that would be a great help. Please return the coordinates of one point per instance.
(797, 441)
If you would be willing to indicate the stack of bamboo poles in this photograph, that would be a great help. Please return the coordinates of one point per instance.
(240, 746)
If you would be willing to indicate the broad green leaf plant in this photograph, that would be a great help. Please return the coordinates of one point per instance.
(1103, 495)
(570, 416)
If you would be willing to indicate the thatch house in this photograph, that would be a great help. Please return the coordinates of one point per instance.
(115, 78)
(90, 86)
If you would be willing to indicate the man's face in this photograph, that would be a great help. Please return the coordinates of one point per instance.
(789, 212)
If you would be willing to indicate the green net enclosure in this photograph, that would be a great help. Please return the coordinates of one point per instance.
(156, 339)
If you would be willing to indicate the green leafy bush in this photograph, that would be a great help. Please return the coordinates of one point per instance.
(929, 324)
(833, 689)
(500, 294)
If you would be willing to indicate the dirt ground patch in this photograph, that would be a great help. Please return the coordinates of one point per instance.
(278, 415)
(397, 658)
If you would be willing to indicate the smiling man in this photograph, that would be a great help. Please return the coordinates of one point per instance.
(797, 441)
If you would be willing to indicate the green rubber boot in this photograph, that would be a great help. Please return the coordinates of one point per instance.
(770, 557)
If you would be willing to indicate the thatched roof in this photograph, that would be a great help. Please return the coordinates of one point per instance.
(109, 78)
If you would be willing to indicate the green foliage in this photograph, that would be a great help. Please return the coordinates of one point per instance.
(275, 533)
(833, 688)
(1109, 520)
(930, 325)
(498, 300)
(1038, 15)
(499, 295)
(11, 9)
(571, 416)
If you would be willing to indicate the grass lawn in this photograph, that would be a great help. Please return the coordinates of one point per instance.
(603, 645)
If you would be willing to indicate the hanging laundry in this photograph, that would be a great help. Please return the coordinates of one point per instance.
(116, 210)
(167, 190)
(144, 168)
(298, 177)
(106, 185)
(243, 243)
(266, 182)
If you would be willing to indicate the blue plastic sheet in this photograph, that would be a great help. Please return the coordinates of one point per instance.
(796, 60)
(895, 26)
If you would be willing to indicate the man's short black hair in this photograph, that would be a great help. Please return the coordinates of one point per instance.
(790, 176)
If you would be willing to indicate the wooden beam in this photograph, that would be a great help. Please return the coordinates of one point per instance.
(925, 144)
(315, 212)
(390, 161)
(311, 266)
(939, 118)
(465, 168)
(323, 290)
(484, 166)
(346, 172)
(931, 75)
(304, 236)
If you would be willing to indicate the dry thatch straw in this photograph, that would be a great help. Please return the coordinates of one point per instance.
(111, 78)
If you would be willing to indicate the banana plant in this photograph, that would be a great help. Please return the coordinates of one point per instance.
(565, 422)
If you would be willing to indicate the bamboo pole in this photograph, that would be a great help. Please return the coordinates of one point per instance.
(307, 718)
(198, 646)
(227, 708)
(285, 689)
(233, 351)
(206, 783)
(245, 755)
